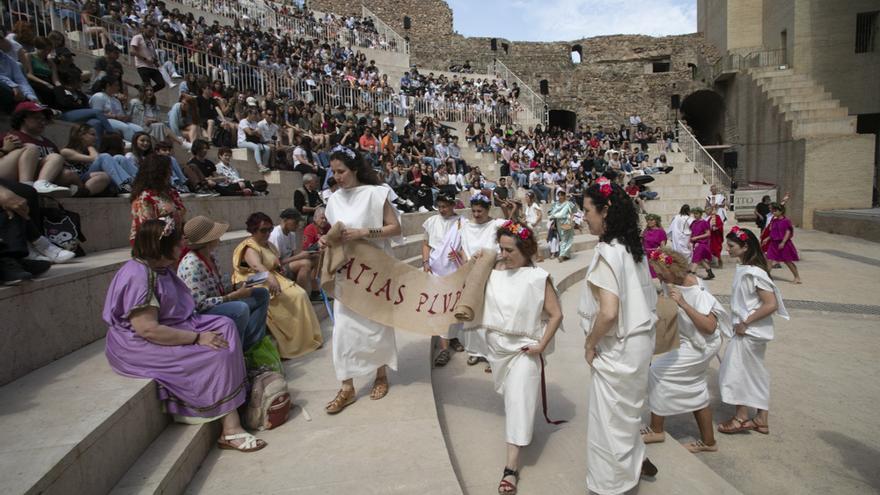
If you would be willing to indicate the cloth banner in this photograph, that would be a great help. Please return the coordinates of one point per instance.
(387, 291)
(666, 338)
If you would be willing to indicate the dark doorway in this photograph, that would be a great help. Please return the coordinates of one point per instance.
(563, 119)
(703, 111)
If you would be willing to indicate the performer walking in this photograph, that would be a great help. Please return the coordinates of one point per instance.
(700, 232)
(517, 293)
(677, 380)
(617, 311)
(561, 213)
(478, 234)
(680, 232)
(743, 378)
(440, 256)
(716, 237)
(779, 246)
(360, 345)
(653, 237)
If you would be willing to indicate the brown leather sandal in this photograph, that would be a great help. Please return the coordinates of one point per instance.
(380, 388)
(343, 399)
(752, 424)
(733, 425)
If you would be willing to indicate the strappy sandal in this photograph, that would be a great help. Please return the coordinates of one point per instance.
(506, 487)
(699, 446)
(442, 358)
(250, 443)
(732, 425)
(380, 388)
(488, 368)
(456, 345)
(651, 436)
(472, 360)
(752, 424)
(343, 399)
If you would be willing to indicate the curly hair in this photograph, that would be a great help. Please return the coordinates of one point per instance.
(153, 174)
(754, 254)
(528, 246)
(254, 220)
(622, 220)
(364, 173)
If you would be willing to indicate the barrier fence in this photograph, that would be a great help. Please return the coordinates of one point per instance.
(527, 97)
(701, 159)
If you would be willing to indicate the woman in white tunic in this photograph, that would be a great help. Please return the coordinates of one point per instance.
(440, 256)
(618, 314)
(718, 200)
(478, 234)
(517, 294)
(677, 380)
(743, 378)
(360, 346)
(679, 232)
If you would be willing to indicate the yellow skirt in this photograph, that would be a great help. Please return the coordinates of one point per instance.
(292, 320)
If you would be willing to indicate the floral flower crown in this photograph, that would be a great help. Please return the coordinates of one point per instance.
(660, 256)
(169, 227)
(480, 197)
(741, 234)
(605, 188)
(343, 149)
(517, 229)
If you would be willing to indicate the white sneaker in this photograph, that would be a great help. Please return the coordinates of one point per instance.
(50, 189)
(51, 251)
(186, 195)
(176, 76)
(409, 203)
(422, 209)
(35, 255)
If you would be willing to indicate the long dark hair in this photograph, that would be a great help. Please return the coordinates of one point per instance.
(754, 254)
(154, 173)
(355, 162)
(622, 220)
(139, 154)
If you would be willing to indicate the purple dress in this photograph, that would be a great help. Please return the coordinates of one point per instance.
(194, 381)
(702, 252)
(651, 240)
(778, 228)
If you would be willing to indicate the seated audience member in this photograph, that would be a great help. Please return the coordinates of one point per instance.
(40, 72)
(308, 198)
(152, 195)
(111, 160)
(108, 65)
(146, 113)
(178, 178)
(246, 306)
(104, 100)
(305, 161)
(14, 85)
(228, 176)
(24, 251)
(156, 333)
(79, 155)
(269, 132)
(313, 231)
(292, 320)
(74, 104)
(200, 171)
(182, 118)
(249, 137)
(40, 157)
(297, 266)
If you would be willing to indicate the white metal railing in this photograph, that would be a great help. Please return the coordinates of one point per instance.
(759, 58)
(257, 78)
(702, 160)
(386, 33)
(533, 102)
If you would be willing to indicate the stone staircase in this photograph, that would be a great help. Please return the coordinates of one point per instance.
(685, 185)
(810, 110)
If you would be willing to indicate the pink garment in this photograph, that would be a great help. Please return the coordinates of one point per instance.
(651, 240)
(778, 227)
(701, 247)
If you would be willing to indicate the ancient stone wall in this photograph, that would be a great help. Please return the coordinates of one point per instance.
(614, 79)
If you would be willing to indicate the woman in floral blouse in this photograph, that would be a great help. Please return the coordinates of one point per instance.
(198, 269)
(152, 195)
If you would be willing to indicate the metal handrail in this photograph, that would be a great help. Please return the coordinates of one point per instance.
(391, 36)
(702, 160)
(535, 103)
(775, 57)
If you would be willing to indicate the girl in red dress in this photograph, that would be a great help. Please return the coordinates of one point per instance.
(716, 239)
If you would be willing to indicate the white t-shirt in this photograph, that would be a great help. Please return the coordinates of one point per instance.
(267, 130)
(246, 124)
(141, 45)
(284, 242)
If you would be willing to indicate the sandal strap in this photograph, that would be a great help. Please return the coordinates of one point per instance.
(510, 472)
(250, 441)
(646, 430)
(340, 399)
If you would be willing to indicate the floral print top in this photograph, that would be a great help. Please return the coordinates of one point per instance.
(205, 283)
(152, 204)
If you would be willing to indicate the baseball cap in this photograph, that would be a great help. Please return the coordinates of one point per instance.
(32, 107)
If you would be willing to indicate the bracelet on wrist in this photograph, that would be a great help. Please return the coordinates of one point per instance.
(374, 233)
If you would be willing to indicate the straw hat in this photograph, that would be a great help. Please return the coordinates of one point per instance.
(201, 230)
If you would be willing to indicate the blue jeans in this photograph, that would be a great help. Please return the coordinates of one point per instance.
(120, 169)
(541, 191)
(261, 151)
(94, 118)
(248, 314)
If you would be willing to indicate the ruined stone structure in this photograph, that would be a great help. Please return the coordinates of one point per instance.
(615, 79)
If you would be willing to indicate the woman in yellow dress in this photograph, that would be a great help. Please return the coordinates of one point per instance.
(292, 320)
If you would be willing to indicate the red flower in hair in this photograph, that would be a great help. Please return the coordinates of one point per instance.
(605, 188)
(740, 233)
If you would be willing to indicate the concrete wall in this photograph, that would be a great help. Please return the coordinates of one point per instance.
(744, 24)
(712, 22)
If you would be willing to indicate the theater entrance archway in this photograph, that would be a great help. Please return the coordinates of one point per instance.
(703, 111)
(563, 119)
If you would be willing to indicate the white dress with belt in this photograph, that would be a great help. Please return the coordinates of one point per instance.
(476, 237)
(360, 345)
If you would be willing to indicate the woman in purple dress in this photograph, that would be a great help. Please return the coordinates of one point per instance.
(654, 237)
(778, 244)
(700, 232)
(154, 332)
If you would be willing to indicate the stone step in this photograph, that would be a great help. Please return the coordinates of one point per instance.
(692, 179)
(786, 94)
(820, 114)
(771, 72)
(75, 426)
(823, 127)
(786, 83)
(170, 462)
(680, 192)
(671, 206)
(809, 105)
(800, 98)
